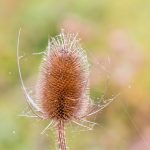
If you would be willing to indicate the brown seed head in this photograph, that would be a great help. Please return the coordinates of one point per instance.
(62, 89)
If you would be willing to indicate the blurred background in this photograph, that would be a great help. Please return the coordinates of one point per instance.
(115, 35)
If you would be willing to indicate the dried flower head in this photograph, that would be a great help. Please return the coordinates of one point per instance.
(63, 83)
(63, 86)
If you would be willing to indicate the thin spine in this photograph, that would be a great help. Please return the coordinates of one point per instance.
(61, 136)
(30, 102)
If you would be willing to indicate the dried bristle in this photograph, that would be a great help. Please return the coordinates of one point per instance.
(63, 83)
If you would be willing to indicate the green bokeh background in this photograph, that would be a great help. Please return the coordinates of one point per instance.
(115, 35)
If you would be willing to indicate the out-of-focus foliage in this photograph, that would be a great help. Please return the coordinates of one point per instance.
(116, 36)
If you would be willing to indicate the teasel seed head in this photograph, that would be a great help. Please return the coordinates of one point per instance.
(62, 93)
(63, 84)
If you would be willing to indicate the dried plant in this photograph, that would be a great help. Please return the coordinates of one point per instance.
(63, 86)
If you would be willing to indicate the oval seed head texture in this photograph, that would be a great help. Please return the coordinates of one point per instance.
(62, 89)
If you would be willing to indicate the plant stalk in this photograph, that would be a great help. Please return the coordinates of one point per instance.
(61, 136)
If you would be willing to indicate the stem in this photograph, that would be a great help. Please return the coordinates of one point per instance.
(61, 136)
